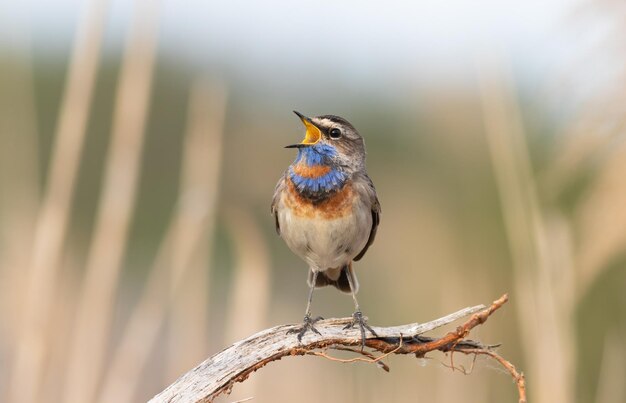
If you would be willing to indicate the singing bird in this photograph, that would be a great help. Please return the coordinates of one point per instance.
(326, 209)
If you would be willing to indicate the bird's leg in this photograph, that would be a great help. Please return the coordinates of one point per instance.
(308, 321)
(357, 317)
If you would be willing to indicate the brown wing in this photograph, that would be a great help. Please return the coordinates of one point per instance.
(375, 217)
(280, 186)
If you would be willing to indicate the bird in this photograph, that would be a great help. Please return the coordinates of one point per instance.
(327, 211)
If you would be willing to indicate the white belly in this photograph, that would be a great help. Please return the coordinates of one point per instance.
(326, 243)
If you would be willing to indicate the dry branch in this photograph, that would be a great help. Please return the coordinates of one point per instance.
(220, 372)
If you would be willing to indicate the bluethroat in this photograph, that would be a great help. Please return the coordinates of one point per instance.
(326, 209)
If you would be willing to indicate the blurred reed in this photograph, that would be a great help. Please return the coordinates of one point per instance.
(19, 177)
(602, 218)
(62, 314)
(591, 154)
(545, 314)
(175, 267)
(53, 215)
(97, 299)
(586, 174)
(189, 287)
(591, 157)
(250, 293)
(611, 386)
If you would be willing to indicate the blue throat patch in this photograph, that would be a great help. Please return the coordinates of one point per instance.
(318, 154)
(319, 187)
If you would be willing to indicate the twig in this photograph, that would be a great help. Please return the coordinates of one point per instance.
(371, 358)
(369, 355)
(460, 368)
(219, 373)
(519, 378)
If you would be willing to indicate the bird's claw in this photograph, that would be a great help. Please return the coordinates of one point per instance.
(308, 324)
(358, 318)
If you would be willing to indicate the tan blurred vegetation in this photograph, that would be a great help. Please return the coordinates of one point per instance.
(135, 238)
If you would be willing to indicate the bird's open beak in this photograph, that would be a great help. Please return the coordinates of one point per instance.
(312, 135)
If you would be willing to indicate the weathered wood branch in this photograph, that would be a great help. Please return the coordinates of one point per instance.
(219, 373)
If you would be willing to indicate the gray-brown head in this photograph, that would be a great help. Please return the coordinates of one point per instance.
(331, 140)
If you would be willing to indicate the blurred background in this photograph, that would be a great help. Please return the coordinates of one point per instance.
(140, 142)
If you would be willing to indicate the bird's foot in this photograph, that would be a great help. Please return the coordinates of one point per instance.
(308, 324)
(359, 319)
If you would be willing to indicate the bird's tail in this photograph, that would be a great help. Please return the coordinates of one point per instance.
(336, 277)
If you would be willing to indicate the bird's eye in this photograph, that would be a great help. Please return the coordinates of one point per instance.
(335, 133)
